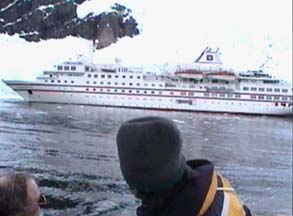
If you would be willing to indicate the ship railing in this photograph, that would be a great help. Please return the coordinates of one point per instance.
(224, 90)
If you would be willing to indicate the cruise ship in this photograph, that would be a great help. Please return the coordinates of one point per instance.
(205, 85)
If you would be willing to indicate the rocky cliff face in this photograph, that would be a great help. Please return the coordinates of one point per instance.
(36, 20)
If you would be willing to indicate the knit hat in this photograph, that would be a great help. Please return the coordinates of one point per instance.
(149, 150)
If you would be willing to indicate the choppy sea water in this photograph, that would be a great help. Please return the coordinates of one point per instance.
(71, 150)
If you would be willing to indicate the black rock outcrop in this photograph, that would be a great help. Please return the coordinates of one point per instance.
(36, 20)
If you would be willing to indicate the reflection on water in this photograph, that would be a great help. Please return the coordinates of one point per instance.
(71, 151)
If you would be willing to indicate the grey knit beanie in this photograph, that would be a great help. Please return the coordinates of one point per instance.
(149, 150)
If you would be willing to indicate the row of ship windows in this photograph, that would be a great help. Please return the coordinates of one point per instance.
(263, 89)
(59, 81)
(110, 76)
(260, 97)
(103, 83)
(130, 84)
(268, 97)
(66, 68)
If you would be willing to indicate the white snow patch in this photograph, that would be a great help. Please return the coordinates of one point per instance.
(8, 6)
(44, 7)
(178, 121)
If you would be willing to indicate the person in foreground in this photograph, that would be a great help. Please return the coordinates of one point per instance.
(152, 164)
(19, 196)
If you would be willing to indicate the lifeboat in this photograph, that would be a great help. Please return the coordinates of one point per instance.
(221, 75)
(189, 73)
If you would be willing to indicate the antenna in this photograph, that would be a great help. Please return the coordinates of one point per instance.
(92, 50)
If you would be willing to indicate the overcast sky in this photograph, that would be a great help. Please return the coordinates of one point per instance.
(246, 31)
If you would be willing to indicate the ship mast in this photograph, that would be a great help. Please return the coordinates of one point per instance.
(92, 50)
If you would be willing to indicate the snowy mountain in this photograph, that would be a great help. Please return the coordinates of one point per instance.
(53, 19)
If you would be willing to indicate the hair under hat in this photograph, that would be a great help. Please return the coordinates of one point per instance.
(149, 150)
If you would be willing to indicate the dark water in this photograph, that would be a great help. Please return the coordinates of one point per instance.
(71, 150)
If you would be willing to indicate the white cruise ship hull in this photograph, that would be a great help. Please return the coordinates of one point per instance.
(36, 92)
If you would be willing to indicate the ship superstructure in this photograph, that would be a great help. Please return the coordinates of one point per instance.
(205, 85)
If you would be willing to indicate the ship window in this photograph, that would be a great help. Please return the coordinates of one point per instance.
(161, 85)
(160, 92)
(145, 92)
(95, 82)
(59, 68)
(101, 83)
(284, 98)
(108, 90)
(190, 93)
(245, 88)
(87, 89)
(183, 93)
(284, 90)
(269, 97)
(109, 76)
(123, 76)
(222, 95)
(109, 83)
(102, 76)
(46, 80)
(58, 81)
(253, 96)
(130, 91)
(276, 90)
(214, 81)
(87, 82)
(72, 81)
(73, 68)
(269, 89)
(89, 75)
(261, 89)
(261, 97)
(66, 67)
(115, 90)
(214, 94)
(130, 84)
(153, 85)
(96, 76)
(253, 88)
(101, 89)
(277, 97)
(229, 95)
(237, 95)
(65, 81)
(116, 83)
(171, 93)
(153, 92)
(137, 84)
(283, 104)
(206, 94)
(51, 75)
(52, 81)
(87, 69)
(123, 83)
(123, 90)
(130, 77)
(138, 77)
(137, 91)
